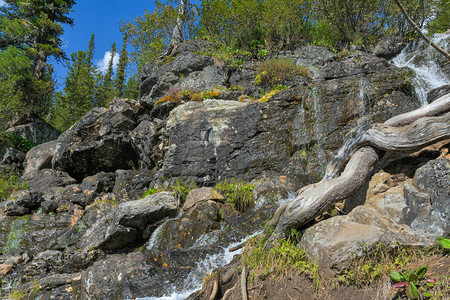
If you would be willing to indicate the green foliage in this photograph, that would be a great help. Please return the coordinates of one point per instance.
(131, 90)
(415, 286)
(277, 71)
(149, 35)
(17, 295)
(440, 23)
(10, 182)
(177, 95)
(376, 261)
(106, 91)
(445, 243)
(282, 257)
(29, 34)
(232, 57)
(150, 192)
(239, 193)
(18, 142)
(120, 77)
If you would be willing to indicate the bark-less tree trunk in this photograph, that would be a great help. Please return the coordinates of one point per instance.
(177, 33)
(363, 148)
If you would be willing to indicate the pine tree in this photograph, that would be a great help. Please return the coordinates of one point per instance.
(131, 90)
(107, 91)
(79, 90)
(33, 28)
(121, 68)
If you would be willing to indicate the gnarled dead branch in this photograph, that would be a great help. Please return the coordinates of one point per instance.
(348, 170)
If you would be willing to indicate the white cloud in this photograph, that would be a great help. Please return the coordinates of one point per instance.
(103, 64)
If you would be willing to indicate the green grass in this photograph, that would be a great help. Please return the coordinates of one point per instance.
(10, 183)
(239, 193)
(278, 258)
(379, 260)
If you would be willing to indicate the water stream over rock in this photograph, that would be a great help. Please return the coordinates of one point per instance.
(424, 61)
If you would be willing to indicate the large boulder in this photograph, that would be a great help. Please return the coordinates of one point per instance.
(127, 223)
(427, 197)
(32, 129)
(40, 157)
(390, 46)
(44, 180)
(100, 141)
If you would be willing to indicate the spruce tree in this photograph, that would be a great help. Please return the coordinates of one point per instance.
(33, 28)
(79, 89)
(107, 91)
(121, 68)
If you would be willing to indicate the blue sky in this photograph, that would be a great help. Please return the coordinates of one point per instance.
(102, 18)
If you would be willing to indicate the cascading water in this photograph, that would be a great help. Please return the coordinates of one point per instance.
(219, 254)
(422, 59)
(193, 282)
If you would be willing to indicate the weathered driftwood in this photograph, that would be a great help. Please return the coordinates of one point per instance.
(348, 170)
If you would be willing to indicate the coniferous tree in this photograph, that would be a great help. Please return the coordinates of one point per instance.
(79, 89)
(33, 28)
(121, 68)
(131, 90)
(107, 91)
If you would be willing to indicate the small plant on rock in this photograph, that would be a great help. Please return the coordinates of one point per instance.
(276, 71)
(238, 193)
(414, 283)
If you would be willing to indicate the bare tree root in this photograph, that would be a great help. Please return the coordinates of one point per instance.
(348, 170)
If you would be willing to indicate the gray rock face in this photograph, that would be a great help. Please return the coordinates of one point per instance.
(98, 142)
(132, 184)
(200, 195)
(211, 139)
(40, 157)
(123, 227)
(187, 71)
(34, 130)
(143, 139)
(22, 202)
(428, 197)
(43, 180)
(389, 46)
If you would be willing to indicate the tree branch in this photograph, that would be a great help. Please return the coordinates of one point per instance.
(417, 28)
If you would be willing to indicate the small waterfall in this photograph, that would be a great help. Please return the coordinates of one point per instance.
(156, 235)
(362, 99)
(318, 130)
(421, 58)
(193, 282)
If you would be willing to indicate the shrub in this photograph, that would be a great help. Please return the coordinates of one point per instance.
(15, 141)
(276, 71)
(238, 193)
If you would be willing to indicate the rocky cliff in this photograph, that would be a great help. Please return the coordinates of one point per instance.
(84, 230)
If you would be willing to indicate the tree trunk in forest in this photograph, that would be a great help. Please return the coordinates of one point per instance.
(417, 28)
(177, 33)
(348, 170)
